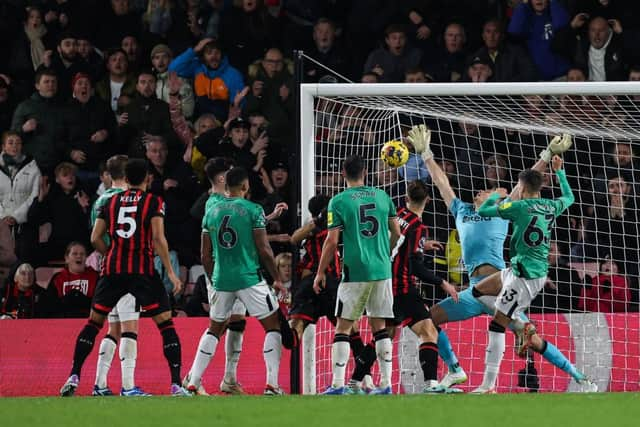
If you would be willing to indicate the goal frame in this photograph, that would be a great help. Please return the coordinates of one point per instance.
(310, 91)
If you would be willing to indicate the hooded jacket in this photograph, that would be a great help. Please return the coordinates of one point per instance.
(214, 89)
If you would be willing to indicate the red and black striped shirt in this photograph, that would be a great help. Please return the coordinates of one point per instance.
(313, 250)
(414, 235)
(128, 217)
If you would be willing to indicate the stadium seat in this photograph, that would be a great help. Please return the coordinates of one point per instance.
(44, 275)
(194, 272)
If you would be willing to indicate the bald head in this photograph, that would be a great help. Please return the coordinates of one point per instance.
(599, 31)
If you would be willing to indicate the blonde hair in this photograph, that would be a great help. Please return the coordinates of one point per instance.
(283, 258)
(26, 267)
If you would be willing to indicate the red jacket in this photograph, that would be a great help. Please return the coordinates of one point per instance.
(608, 294)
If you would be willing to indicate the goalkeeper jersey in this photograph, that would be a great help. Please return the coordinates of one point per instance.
(363, 214)
(533, 220)
(482, 239)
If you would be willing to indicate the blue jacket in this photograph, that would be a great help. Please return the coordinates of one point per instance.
(538, 31)
(214, 89)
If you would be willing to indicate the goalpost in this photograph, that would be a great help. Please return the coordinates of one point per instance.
(483, 135)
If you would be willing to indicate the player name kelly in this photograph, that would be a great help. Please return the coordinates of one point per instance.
(130, 199)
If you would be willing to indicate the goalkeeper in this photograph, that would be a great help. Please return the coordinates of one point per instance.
(482, 241)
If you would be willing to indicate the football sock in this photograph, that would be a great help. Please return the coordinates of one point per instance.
(128, 354)
(84, 345)
(428, 355)
(105, 356)
(493, 356)
(339, 358)
(446, 351)
(272, 350)
(204, 354)
(172, 350)
(356, 344)
(556, 358)
(384, 351)
(364, 361)
(232, 348)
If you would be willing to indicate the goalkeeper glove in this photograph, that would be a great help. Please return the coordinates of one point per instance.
(420, 137)
(558, 145)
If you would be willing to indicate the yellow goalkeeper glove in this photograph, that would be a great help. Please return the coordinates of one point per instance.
(420, 137)
(558, 145)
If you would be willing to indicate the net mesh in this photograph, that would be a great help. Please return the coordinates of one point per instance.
(590, 303)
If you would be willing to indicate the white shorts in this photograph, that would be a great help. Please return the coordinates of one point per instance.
(125, 310)
(517, 293)
(375, 296)
(259, 300)
(238, 307)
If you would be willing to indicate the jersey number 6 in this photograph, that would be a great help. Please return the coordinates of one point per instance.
(532, 229)
(227, 236)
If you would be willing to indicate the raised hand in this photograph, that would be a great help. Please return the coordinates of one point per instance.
(44, 188)
(83, 200)
(558, 145)
(420, 137)
(201, 44)
(556, 163)
(579, 20)
(237, 100)
(78, 156)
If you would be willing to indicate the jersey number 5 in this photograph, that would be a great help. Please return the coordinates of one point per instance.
(533, 229)
(365, 218)
(126, 220)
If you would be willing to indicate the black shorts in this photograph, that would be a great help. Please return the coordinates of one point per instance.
(309, 306)
(409, 309)
(148, 291)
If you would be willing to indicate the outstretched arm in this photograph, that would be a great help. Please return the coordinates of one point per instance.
(490, 206)
(558, 145)
(567, 197)
(420, 137)
(440, 179)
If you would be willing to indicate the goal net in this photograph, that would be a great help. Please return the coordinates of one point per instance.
(483, 136)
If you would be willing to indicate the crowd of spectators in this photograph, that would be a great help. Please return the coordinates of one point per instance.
(181, 81)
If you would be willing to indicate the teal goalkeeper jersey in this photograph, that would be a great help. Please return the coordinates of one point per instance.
(533, 220)
(363, 215)
(100, 202)
(230, 223)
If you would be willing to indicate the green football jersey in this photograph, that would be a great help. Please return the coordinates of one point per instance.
(230, 223)
(212, 200)
(533, 221)
(363, 215)
(100, 202)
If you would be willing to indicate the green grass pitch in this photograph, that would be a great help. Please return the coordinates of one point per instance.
(517, 410)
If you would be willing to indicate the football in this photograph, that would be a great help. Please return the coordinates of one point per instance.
(394, 153)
